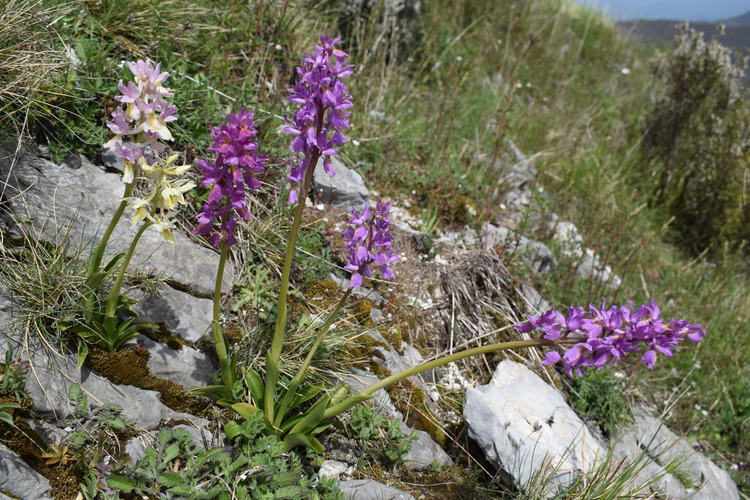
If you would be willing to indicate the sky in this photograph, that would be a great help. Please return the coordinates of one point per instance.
(682, 10)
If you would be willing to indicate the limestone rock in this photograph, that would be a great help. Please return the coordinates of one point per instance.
(708, 481)
(184, 315)
(591, 267)
(19, 480)
(57, 373)
(344, 190)
(368, 489)
(524, 425)
(333, 469)
(186, 366)
(424, 451)
(537, 255)
(77, 204)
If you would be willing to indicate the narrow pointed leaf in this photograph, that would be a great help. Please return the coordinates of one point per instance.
(293, 440)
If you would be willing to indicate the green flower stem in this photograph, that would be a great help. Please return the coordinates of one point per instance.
(278, 334)
(274, 354)
(220, 342)
(300, 376)
(368, 391)
(114, 295)
(326, 326)
(96, 257)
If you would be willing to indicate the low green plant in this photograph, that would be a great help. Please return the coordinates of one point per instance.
(92, 436)
(261, 469)
(4, 415)
(380, 437)
(138, 126)
(13, 375)
(611, 479)
(601, 396)
(429, 221)
(257, 295)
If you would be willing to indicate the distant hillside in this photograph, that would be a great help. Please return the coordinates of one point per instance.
(664, 30)
(741, 20)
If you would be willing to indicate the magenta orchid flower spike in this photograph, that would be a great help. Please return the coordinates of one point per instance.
(236, 168)
(369, 243)
(322, 116)
(604, 336)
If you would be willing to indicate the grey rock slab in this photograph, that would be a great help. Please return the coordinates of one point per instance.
(77, 204)
(186, 366)
(394, 362)
(19, 480)
(628, 448)
(466, 238)
(185, 316)
(368, 489)
(136, 447)
(570, 239)
(524, 426)
(665, 447)
(537, 255)
(51, 378)
(8, 328)
(424, 451)
(535, 301)
(344, 190)
(359, 380)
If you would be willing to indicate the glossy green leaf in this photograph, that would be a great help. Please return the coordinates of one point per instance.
(299, 439)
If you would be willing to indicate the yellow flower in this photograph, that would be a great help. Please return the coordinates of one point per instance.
(157, 126)
(129, 175)
(165, 226)
(141, 207)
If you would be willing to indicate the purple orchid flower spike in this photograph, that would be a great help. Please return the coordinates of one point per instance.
(318, 123)
(236, 168)
(604, 336)
(369, 243)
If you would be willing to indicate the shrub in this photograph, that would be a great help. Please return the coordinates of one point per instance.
(698, 142)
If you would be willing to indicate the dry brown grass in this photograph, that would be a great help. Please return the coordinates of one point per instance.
(29, 63)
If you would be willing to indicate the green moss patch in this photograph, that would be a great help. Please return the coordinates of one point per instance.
(130, 367)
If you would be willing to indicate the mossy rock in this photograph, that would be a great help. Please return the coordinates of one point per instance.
(410, 401)
(130, 367)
